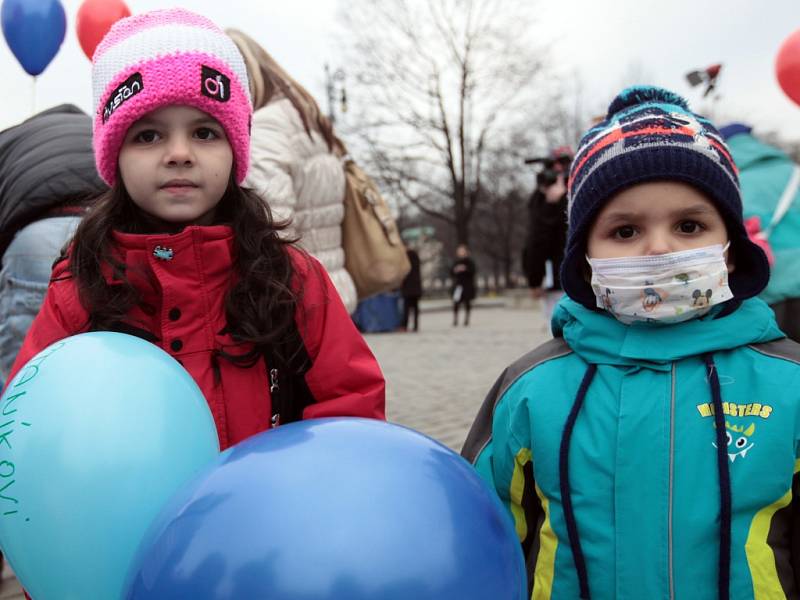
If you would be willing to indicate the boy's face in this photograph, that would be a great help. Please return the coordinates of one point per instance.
(656, 217)
(175, 163)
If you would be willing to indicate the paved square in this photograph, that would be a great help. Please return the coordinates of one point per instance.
(438, 377)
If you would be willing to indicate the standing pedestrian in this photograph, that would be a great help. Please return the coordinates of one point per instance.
(463, 274)
(547, 229)
(411, 290)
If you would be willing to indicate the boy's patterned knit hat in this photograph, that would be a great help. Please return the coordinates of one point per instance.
(650, 134)
(162, 58)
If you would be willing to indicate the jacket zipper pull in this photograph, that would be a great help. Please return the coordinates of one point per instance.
(273, 381)
(274, 387)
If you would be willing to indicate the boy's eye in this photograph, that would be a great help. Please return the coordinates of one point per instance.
(625, 232)
(689, 227)
(148, 136)
(205, 133)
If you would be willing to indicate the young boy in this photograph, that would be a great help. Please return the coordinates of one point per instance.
(650, 449)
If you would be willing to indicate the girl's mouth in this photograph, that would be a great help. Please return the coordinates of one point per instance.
(177, 186)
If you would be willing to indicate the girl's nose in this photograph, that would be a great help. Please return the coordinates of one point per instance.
(179, 152)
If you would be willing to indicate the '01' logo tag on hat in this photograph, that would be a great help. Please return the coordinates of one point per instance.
(215, 85)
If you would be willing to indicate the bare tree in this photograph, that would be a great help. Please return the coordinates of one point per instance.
(435, 82)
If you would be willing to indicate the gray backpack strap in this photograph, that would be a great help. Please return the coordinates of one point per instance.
(783, 348)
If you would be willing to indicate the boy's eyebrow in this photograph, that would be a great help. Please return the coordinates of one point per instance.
(614, 217)
(695, 209)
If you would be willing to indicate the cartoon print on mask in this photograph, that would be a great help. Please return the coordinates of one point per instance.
(652, 297)
(608, 301)
(739, 442)
(701, 299)
(683, 278)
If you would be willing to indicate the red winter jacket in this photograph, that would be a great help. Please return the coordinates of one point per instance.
(184, 277)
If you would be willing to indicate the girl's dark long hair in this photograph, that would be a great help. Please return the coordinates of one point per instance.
(260, 305)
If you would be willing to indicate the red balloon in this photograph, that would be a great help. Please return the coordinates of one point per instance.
(787, 66)
(95, 18)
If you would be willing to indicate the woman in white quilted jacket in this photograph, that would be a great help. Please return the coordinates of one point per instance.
(296, 162)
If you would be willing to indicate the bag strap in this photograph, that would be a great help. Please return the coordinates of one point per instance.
(789, 193)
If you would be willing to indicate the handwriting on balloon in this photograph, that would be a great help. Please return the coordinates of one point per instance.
(16, 392)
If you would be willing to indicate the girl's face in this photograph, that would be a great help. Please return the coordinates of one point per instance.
(656, 217)
(175, 163)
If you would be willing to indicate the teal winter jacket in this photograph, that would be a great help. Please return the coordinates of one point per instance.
(642, 470)
(764, 172)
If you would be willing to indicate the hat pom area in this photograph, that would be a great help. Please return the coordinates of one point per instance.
(644, 94)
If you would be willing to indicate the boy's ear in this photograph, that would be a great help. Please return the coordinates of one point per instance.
(730, 259)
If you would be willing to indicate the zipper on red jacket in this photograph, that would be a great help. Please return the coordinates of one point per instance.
(274, 387)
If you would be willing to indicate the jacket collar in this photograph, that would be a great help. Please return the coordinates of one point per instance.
(600, 339)
(191, 234)
(197, 252)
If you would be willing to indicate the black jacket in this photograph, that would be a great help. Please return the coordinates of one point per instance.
(46, 163)
(412, 284)
(465, 279)
(547, 236)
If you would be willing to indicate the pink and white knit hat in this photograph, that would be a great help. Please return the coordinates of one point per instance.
(161, 58)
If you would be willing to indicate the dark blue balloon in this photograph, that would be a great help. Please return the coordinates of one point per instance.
(34, 30)
(333, 509)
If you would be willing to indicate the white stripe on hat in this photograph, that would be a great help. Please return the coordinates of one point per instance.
(164, 40)
(618, 149)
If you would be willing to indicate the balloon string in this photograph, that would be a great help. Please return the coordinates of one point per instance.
(33, 96)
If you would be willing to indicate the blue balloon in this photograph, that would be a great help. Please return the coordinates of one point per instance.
(97, 432)
(34, 30)
(333, 509)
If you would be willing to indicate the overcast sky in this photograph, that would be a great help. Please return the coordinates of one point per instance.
(604, 42)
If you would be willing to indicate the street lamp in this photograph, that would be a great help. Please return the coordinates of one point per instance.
(334, 85)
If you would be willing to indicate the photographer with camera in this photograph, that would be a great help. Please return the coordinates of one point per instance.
(547, 228)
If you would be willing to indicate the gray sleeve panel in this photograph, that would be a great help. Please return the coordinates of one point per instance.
(783, 348)
(481, 431)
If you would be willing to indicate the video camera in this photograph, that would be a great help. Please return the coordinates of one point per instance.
(552, 166)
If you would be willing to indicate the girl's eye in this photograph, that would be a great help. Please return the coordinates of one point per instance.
(625, 232)
(148, 136)
(204, 133)
(689, 227)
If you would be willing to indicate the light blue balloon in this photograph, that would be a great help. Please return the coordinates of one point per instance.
(96, 432)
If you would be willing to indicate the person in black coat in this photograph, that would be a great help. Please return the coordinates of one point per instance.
(463, 273)
(412, 290)
(547, 229)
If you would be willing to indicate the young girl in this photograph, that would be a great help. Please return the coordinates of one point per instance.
(179, 254)
(297, 162)
(650, 450)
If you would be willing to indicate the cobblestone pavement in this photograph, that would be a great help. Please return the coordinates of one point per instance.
(438, 377)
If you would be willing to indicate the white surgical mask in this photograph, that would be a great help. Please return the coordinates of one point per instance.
(668, 288)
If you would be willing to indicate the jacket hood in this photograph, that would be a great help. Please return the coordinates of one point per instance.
(747, 151)
(600, 339)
